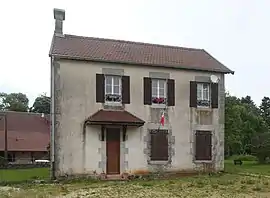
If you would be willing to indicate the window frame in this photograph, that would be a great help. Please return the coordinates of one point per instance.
(200, 88)
(158, 87)
(112, 85)
(157, 159)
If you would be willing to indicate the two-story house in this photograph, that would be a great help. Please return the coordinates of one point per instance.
(108, 97)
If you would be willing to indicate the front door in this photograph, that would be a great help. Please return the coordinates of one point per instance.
(113, 150)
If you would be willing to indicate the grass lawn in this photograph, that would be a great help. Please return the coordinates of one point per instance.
(226, 185)
(251, 167)
(24, 174)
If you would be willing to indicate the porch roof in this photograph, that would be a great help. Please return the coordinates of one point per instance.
(114, 117)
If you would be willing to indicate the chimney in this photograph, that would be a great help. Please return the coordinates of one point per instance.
(59, 16)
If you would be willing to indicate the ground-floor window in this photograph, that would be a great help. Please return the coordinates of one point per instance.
(203, 145)
(159, 145)
(11, 157)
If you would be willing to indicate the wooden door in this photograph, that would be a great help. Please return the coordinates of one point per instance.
(113, 150)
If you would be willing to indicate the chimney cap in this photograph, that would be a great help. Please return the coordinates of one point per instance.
(59, 14)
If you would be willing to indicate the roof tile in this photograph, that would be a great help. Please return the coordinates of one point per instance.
(119, 51)
(114, 117)
(26, 131)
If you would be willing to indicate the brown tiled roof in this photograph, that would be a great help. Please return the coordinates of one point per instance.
(118, 51)
(114, 117)
(26, 132)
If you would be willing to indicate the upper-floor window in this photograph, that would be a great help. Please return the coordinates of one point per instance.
(159, 91)
(113, 88)
(203, 95)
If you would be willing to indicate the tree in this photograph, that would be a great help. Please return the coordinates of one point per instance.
(14, 102)
(250, 105)
(42, 104)
(265, 110)
(261, 146)
(242, 122)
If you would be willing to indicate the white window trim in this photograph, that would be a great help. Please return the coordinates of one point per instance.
(202, 96)
(201, 87)
(112, 85)
(159, 80)
(158, 87)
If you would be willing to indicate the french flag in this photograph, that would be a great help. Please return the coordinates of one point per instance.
(162, 119)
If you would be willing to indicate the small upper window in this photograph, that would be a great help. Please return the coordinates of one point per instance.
(159, 91)
(113, 89)
(203, 95)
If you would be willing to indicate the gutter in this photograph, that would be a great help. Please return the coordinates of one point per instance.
(66, 57)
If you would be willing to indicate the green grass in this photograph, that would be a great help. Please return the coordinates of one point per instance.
(11, 175)
(226, 185)
(251, 167)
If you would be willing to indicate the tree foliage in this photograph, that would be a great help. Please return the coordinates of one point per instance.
(14, 102)
(261, 146)
(246, 126)
(42, 104)
(265, 110)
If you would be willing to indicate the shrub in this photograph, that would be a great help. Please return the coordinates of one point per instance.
(2, 161)
(243, 157)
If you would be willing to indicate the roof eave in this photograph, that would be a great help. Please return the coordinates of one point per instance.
(115, 123)
(227, 71)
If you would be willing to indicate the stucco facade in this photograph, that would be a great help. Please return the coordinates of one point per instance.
(74, 99)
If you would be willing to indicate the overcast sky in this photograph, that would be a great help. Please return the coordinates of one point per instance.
(236, 32)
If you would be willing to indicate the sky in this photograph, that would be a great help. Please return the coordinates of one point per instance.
(236, 32)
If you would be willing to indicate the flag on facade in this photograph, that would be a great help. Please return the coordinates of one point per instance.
(162, 119)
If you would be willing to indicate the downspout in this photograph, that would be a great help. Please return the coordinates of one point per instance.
(52, 142)
(84, 143)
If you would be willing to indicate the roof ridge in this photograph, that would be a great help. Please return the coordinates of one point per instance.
(135, 42)
(22, 112)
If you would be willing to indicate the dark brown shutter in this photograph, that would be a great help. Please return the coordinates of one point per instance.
(154, 149)
(193, 94)
(147, 87)
(208, 144)
(199, 155)
(171, 92)
(159, 146)
(125, 90)
(214, 95)
(203, 145)
(100, 88)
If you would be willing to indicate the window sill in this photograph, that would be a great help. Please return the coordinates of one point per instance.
(158, 106)
(204, 108)
(158, 162)
(113, 104)
(203, 161)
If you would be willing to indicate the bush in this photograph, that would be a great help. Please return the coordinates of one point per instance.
(243, 157)
(2, 161)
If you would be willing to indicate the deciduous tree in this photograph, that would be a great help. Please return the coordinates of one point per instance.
(14, 102)
(42, 104)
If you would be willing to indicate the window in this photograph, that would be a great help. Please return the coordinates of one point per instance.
(203, 145)
(159, 145)
(159, 91)
(203, 95)
(113, 89)
(11, 157)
